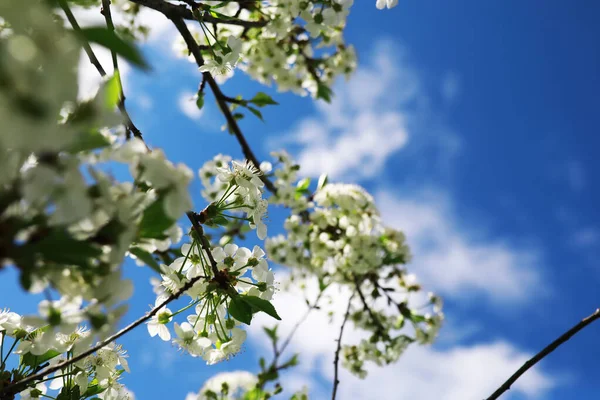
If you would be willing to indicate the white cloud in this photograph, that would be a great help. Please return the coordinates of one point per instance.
(187, 105)
(365, 123)
(450, 259)
(422, 373)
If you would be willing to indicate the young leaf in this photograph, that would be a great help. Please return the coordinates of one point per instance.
(322, 182)
(263, 305)
(112, 91)
(256, 112)
(107, 38)
(32, 361)
(88, 140)
(155, 221)
(303, 185)
(262, 99)
(324, 92)
(240, 310)
(200, 100)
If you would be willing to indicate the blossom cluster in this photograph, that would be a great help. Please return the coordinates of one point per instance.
(219, 279)
(56, 339)
(234, 186)
(65, 222)
(337, 236)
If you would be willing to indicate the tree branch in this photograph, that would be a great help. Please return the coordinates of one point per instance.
(336, 360)
(221, 99)
(192, 216)
(129, 125)
(173, 11)
(376, 320)
(31, 378)
(547, 350)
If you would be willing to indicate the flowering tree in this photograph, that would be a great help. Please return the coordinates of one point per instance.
(67, 225)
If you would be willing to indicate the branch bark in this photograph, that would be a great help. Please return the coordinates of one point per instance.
(221, 99)
(173, 11)
(14, 388)
(546, 351)
(336, 360)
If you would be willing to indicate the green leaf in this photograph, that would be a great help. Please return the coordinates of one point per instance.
(240, 310)
(324, 92)
(107, 38)
(262, 99)
(155, 221)
(272, 333)
(60, 247)
(303, 185)
(88, 140)
(32, 361)
(256, 112)
(112, 91)
(322, 182)
(200, 100)
(263, 305)
(146, 257)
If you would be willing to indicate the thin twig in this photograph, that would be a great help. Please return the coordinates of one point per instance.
(336, 360)
(220, 97)
(380, 327)
(129, 125)
(203, 241)
(547, 350)
(31, 378)
(86, 46)
(172, 11)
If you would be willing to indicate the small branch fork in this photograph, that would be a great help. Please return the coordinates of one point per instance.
(129, 125)
(546, 351)
(336, 361)
(220, 97)
(173, 11)
(40, 375)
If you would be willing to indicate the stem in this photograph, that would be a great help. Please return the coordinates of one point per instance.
(129, 125)
(9, 350)
(336, 361)
(545, 351)
(181, 12)
(31, 378)
(204, 242)
(220, 97)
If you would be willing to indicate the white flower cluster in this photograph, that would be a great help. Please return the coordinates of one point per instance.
(57, 338)
(226, 385)
(297, 45)
(343, 232)
(234, 188)
(65, 222)
(211, 331)
(337, 236)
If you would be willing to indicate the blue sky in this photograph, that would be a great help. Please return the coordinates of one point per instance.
(473, 124)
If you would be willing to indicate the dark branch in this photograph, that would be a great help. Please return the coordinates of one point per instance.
(221, 99)
(174, 11)
(18, 386)
(192, 216)
(129, 125)
(336, 360)
(547, 350)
